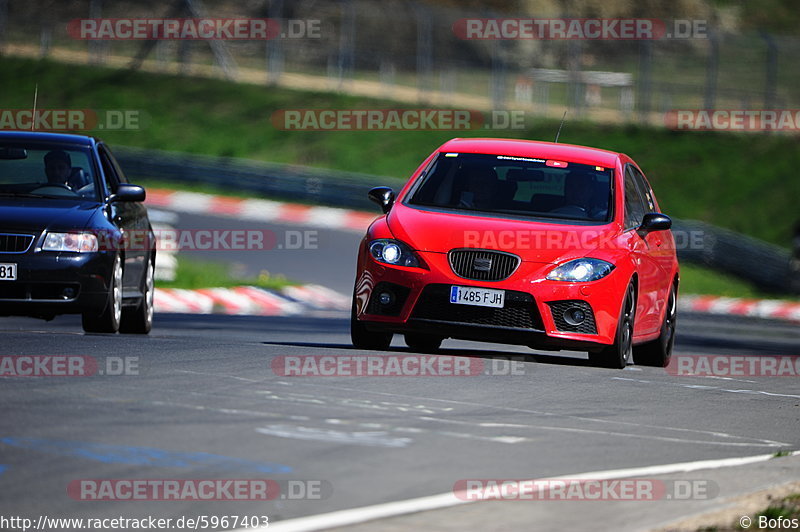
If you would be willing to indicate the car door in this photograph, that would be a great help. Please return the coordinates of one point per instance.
(660, 248)
(127, 217)
(636, 206)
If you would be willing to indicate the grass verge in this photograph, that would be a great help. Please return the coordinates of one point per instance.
(194, 274)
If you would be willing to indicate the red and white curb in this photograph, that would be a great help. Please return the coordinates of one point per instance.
(260, 210)
(250, 300)
(292, 300)
(733, 306)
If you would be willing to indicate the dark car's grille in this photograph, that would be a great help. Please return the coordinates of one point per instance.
(11, 243)
(559, 308)
(482, 265)
(519, 310)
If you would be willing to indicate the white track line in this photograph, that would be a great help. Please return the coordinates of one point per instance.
(444, 500)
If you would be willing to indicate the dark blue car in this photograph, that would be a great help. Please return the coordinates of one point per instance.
(74, 235)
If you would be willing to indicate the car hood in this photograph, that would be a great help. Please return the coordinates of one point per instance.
(533, 241)
(33, 215)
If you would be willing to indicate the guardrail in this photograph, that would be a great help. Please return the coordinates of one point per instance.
(296, 183)
(767, 266)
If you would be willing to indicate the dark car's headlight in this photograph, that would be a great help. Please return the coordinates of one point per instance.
(77, 242)
(393, 252)
(581, 270)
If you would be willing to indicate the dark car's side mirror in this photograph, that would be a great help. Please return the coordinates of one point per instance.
(654, 221)
(383, 196)
(128, 192)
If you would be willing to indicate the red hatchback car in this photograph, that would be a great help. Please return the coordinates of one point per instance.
(519, 242)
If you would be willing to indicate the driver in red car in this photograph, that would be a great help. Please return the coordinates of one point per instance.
(479, 192)
(581, 198)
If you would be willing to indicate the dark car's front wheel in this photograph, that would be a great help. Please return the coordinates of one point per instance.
(139, 320)
(619, 353)
(108, 321)
(364, 339)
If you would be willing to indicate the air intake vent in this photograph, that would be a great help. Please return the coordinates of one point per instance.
(482, 265)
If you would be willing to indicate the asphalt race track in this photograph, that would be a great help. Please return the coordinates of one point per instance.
(200, 400)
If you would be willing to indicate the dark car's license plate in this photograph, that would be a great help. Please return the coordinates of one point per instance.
(8, 272)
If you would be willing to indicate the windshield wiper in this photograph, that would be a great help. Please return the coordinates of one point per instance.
(23, 194)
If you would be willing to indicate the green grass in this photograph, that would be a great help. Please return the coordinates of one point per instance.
(746, 182)
(193, 274)
(699, 280)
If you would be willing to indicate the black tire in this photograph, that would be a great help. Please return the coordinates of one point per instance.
(139, 320)
(423, 343)
(618, 354)
(658, 352)
(364, 339)
(108, 321)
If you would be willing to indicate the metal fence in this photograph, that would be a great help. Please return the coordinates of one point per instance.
(767, 266)
(409, 50)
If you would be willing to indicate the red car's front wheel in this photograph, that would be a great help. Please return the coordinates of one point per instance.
(618, 354)
(658, 352)
(364, 339)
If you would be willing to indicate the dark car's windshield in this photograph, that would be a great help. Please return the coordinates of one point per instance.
(516, 186)
(46, 170)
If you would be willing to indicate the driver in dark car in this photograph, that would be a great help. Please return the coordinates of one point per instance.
(59, 170)
(58, 167)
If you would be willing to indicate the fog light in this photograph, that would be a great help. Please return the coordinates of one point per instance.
(68, 293)
(574, 316)
(386, 298)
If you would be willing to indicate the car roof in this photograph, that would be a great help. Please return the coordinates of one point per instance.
(56, 138)
(532, 148)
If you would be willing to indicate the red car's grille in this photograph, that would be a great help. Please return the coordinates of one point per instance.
(519, 311)
(482, 265)
(11, 243)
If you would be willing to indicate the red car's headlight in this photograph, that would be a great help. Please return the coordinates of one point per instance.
(393, 252)
(581, 270)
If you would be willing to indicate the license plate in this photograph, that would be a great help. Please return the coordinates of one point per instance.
(8, 272)
(479, 297)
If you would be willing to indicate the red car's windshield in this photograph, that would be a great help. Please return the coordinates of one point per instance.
(516, 186)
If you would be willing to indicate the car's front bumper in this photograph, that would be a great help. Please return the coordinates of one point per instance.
(52, 283)
(533, 313)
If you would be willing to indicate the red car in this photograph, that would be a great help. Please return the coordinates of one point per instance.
(519, 242)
